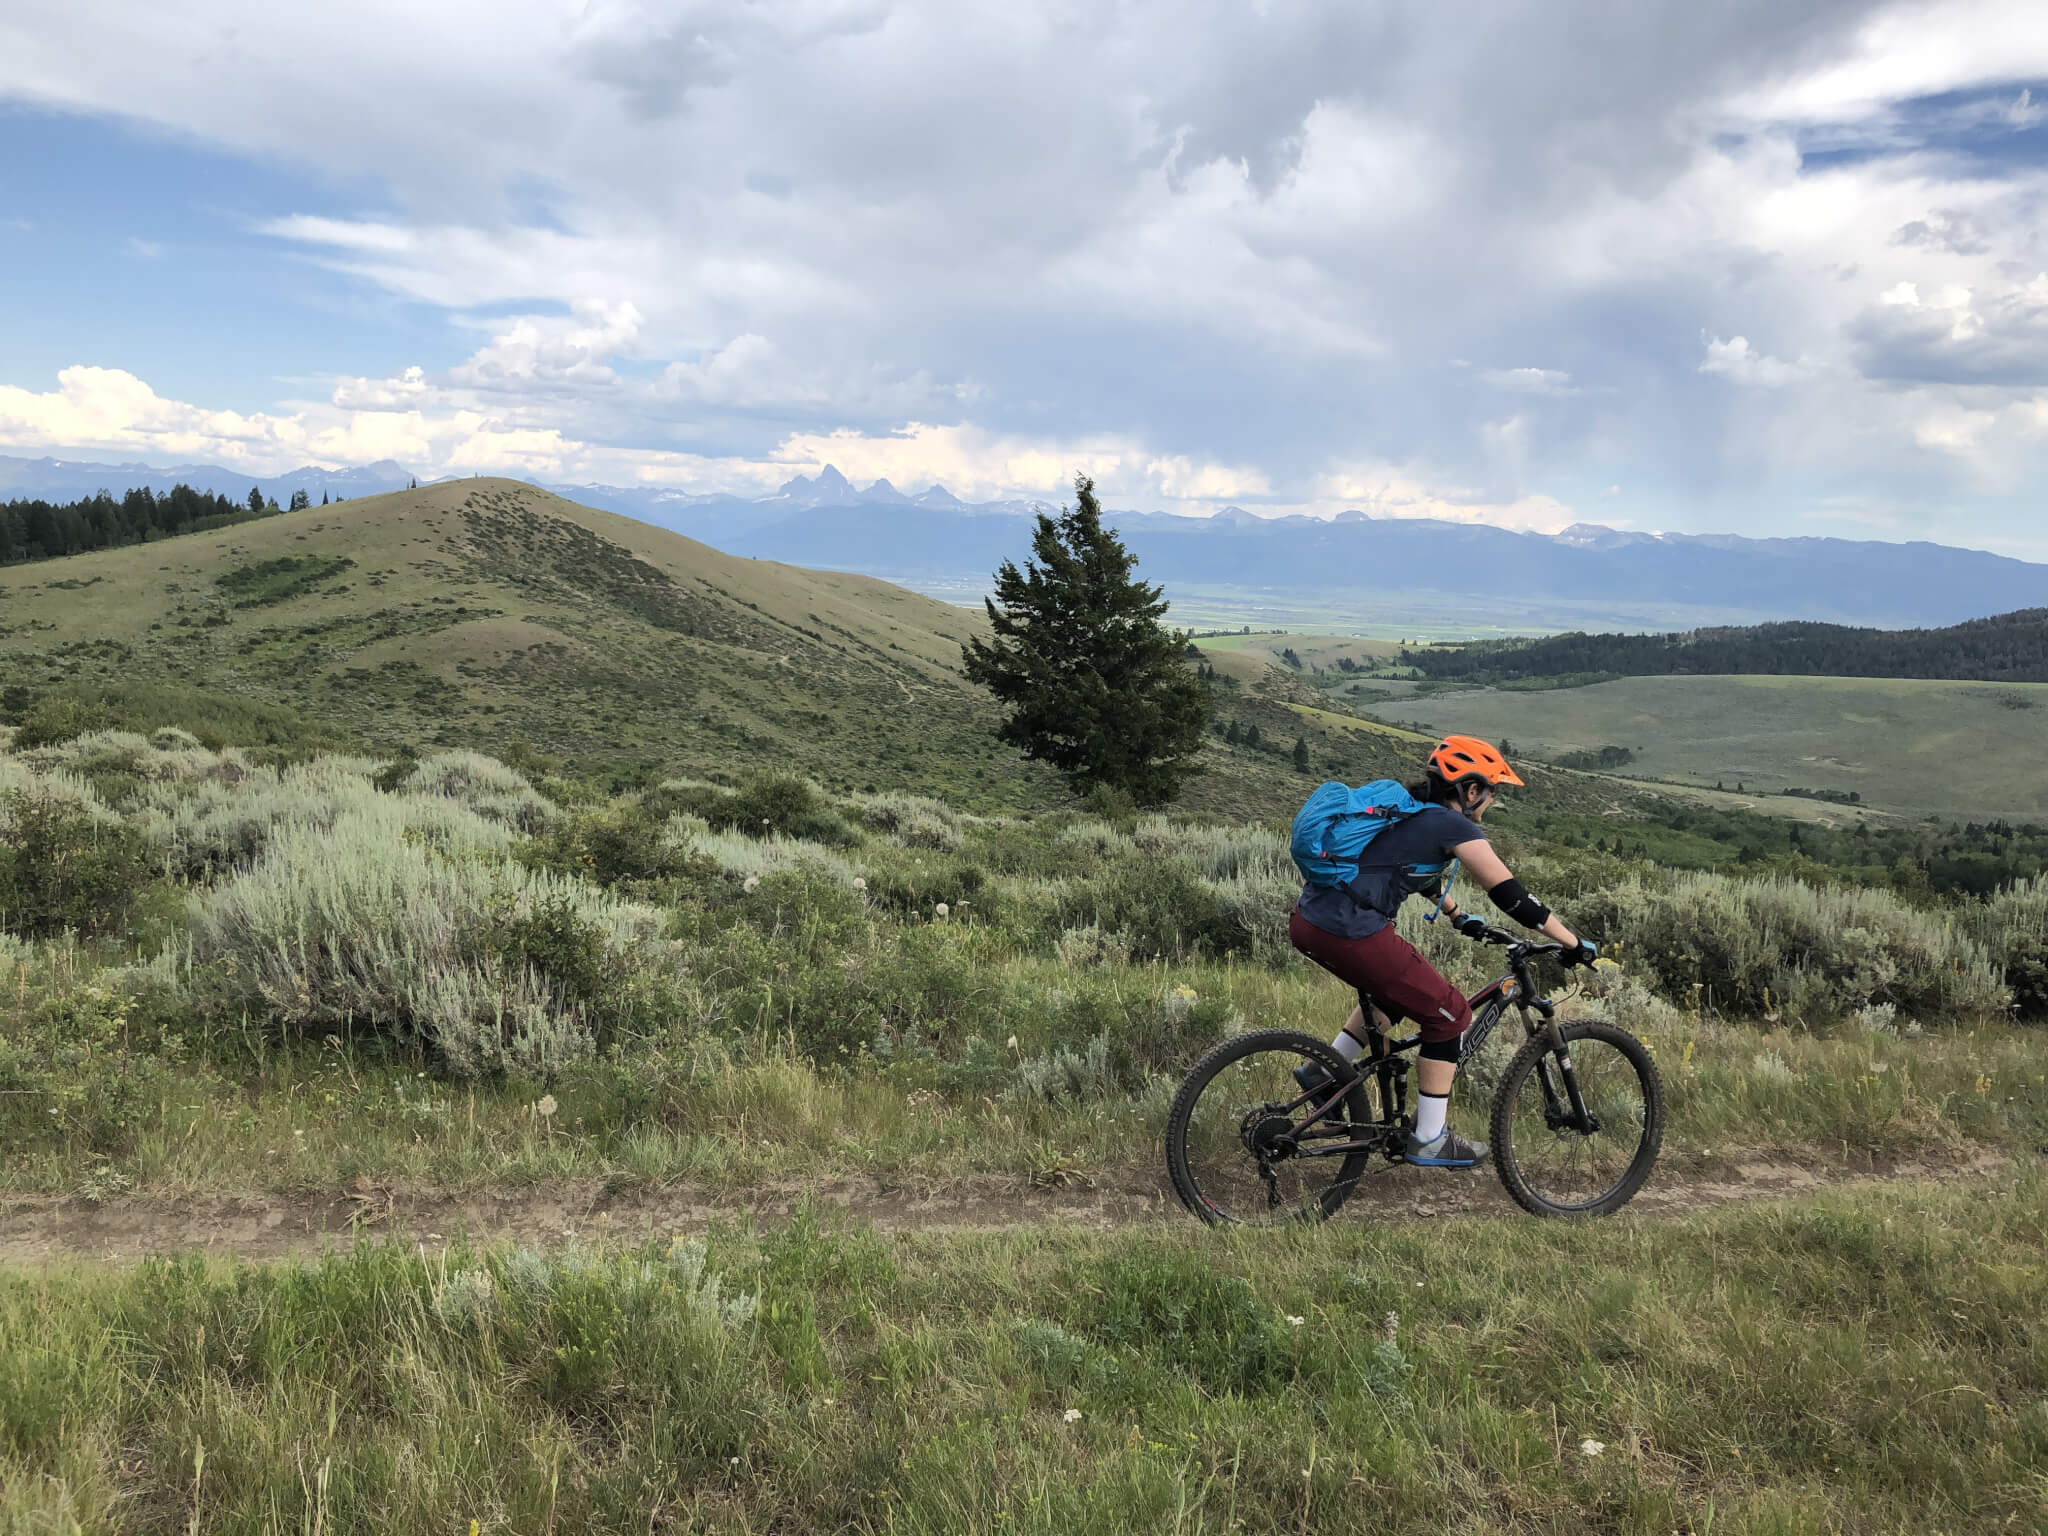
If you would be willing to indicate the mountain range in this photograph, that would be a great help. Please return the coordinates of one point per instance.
(1355, 570)
(73, 479)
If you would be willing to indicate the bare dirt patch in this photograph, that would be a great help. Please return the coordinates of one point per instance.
(46, 1229)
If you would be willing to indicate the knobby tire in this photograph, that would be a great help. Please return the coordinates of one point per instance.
(1519, 1078)
(1345, 1173)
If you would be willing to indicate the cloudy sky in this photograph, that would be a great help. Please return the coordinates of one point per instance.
(1759, 266)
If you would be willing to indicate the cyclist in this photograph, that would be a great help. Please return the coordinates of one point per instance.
(1349, 931)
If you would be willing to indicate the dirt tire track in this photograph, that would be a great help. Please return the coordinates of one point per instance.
(262, 1225)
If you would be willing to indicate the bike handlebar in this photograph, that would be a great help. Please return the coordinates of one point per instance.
(1514, 941)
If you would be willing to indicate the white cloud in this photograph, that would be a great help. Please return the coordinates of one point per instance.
(1529, 381)
(1737, 360)
(1913, 50)
(1213, 251)
(435, 428)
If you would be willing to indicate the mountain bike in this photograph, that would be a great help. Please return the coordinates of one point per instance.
(1578, 1113)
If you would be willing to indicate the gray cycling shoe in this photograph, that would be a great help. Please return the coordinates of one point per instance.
(1449, 1150)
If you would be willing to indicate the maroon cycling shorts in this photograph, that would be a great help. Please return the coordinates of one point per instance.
(1391, 972)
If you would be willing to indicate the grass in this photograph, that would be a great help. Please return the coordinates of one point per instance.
(1871, 1361)
(1906, 744)
(247, 1114)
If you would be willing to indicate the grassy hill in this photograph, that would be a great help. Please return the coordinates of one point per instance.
(492, 614)
(489, 612)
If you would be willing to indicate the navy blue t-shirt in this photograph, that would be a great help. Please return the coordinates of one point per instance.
(1406, 859)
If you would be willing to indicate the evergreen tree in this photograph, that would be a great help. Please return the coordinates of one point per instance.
(323, 496)
(1094, 684)
(1252, 738)
(255, 498)
(1301, 754)
(1232, 736)
(300, 501)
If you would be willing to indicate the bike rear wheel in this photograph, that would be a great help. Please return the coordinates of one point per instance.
(1245, 1143)
(1555, 1162)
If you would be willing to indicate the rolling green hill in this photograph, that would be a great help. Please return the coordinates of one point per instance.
(490, 613)
(486, 612)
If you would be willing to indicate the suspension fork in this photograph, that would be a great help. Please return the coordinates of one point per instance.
(1553, 1111)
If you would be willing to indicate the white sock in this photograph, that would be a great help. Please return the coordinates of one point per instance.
(1431, 1109)
(1348, 1045)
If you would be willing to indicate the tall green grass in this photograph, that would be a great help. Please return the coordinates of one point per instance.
(1869, 1362)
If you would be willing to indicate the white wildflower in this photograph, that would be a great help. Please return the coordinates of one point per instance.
(546, 1107)
(750, 882)
(1591, 1447)
(860, 882)
(940, 910)
(1072, 1415)
(1295, 1322)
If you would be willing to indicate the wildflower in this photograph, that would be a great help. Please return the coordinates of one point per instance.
(1072, 1415)
(941, 910)
(860, 882)
(546, 1107)
(1591, 1447)
(750, 882)
(1295, 1322)
(1010, 1043)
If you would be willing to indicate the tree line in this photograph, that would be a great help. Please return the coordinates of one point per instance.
(34, 529)
(2008, 648)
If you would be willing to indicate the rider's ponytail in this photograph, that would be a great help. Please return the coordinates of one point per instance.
(1434, 790)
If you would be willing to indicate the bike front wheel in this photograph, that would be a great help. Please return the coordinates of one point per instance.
(1246, 1143)
(1562, 1153)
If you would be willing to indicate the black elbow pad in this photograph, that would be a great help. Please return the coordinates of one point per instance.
(1519, 904)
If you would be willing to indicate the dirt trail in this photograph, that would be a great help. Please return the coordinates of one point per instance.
(42, 1229)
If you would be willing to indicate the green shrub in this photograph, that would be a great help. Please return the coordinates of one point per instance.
(365, 926)
(1777, 946)
(796, 958)
(64, 867)
(2013, 925)
(482, 785)
(763, 805)
(210, 716)
(616, 843)
(1161, 908)
(80, 1066)
(913, 821)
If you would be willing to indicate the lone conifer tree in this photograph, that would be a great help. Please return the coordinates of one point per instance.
(1095, 685)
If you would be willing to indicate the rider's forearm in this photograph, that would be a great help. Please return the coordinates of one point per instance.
(1554, 928)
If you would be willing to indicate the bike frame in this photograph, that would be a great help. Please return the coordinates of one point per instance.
(1564, 1105)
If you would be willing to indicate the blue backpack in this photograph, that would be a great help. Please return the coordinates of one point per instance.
(1333, 827)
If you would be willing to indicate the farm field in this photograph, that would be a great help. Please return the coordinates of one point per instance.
(1960, 750)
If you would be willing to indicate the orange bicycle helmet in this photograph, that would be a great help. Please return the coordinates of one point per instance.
(1458, 758)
